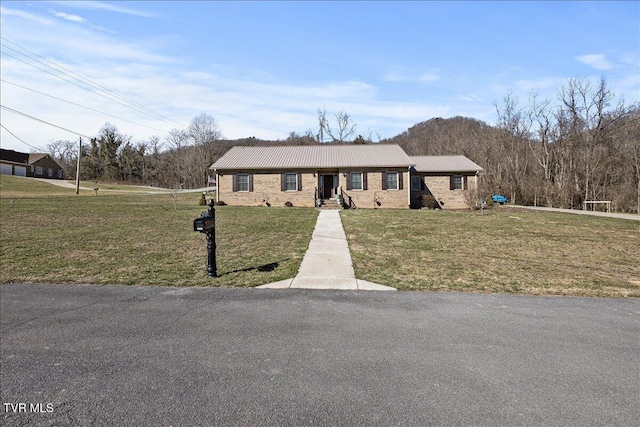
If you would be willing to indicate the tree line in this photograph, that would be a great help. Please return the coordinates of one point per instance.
(582, 146)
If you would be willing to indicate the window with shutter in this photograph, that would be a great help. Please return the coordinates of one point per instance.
(391, 181)
(356, 181)
(243, 182)
(457, 183)
(291, 182)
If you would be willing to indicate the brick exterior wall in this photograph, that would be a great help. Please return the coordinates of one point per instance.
(267, 189)
(439, 187)
(45, 163)
(374, 197)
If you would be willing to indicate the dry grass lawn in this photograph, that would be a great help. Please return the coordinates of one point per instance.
(504, 250)
(50, 235)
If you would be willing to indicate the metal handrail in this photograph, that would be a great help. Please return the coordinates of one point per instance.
(344, 197)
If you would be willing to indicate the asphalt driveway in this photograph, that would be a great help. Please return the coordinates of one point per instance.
(135, 356)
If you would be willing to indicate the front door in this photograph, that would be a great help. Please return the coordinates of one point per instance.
(327, 186)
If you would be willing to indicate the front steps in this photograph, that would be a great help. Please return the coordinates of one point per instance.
(330, 204)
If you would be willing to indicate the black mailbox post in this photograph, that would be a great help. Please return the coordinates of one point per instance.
(207, 224)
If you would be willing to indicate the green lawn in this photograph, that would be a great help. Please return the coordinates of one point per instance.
(504, 250)
(51, 235)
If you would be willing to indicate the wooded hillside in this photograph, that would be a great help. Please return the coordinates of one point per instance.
(580, 147)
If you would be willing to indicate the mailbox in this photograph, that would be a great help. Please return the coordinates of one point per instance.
(204, 224)
(207, 224)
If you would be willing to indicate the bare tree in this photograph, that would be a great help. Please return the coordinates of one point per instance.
(345, 127)
(541, 145)
(588, 126)
(202, 129)
(66, 152)
(515, 126)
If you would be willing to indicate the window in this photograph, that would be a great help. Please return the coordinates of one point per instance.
(291, 182)
(355, 180)
(416, 183)
(457, 182)
(50, 172)
(243, 182)
(59, 173)
(38, 170)
(392, 181)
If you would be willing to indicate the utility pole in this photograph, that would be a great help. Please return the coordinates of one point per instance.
(78, 167)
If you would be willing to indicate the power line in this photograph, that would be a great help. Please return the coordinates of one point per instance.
(42, 121)
(21, 140)
(59, 69)
(84, 80)
(78, 105)
(76, 84)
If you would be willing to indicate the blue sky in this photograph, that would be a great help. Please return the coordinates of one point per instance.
(263, 69)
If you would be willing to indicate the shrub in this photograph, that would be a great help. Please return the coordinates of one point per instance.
(203, 199)
(288, 204)
(428, 201)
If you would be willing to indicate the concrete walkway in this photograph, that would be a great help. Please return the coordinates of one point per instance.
(633, 217)
(327, 263)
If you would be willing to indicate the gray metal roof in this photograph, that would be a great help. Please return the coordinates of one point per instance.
(444, 164)
(313, 157)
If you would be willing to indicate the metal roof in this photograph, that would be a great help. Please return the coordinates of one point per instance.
(444, 164)
(313, 157)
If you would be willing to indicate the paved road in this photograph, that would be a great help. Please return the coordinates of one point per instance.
(134, 188)
(157, 356)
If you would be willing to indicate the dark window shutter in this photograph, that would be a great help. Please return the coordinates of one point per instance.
(464, 183)
(400, 179)
(348, 180)
(283, 182)
(234, 177)
(451, 182)
(299, 182)
(384, 180)
(364, 181)
(250, 182)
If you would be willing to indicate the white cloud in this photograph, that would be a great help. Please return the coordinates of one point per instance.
(597, 61)
(98, 5)
(4, 12)
(72, 18)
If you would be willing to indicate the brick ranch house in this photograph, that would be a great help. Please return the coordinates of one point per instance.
(356, 176)
(35, 165)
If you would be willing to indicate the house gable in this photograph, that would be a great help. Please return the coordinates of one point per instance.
(38, 165)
